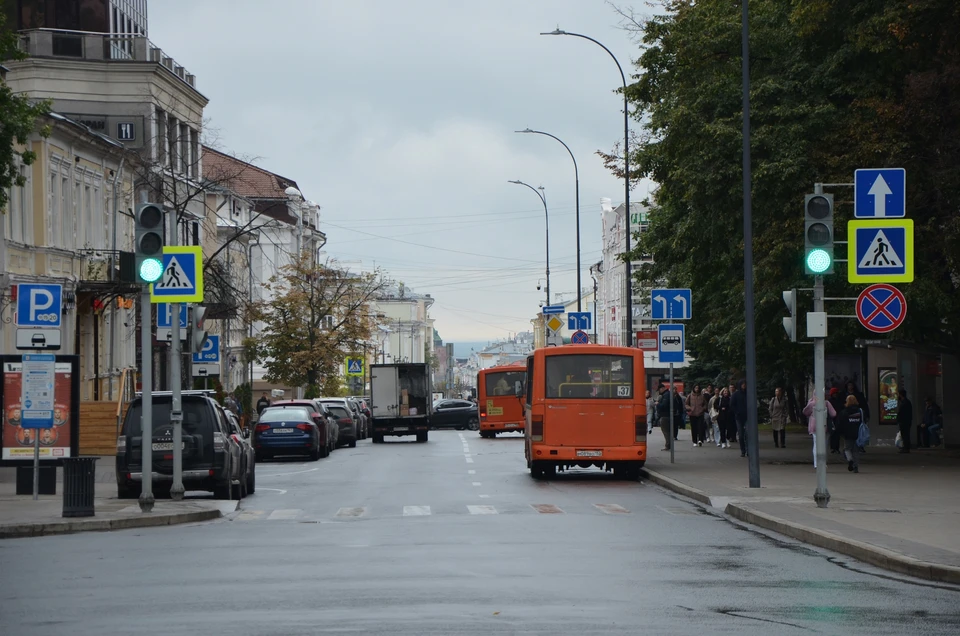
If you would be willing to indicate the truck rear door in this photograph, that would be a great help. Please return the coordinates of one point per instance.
(385, 392)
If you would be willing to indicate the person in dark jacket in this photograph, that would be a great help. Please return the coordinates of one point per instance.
(861, 399)
(929, 430)
(663, 413)
(904, 419)
(738, 404)
(678, 413)
(724, 417)
(848, 426)
(839, 402)
(262, 403)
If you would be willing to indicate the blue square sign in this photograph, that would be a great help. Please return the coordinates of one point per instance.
(210, 353)
(39, 305)
(671, 343)
(880, 193)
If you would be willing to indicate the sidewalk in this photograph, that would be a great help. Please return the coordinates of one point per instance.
(21, 516)
(900, 512)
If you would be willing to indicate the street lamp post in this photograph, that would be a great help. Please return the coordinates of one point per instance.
(576, 174)
(543, 198)
(628, 328)
(250, 246)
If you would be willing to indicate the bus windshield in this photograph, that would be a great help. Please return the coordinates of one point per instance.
(504, 382)
(589, 376)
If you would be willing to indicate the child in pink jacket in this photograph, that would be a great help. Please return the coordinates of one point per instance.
(808, 410)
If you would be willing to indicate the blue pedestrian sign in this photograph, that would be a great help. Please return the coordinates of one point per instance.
(39, 305)
(553, 309)
(880, 193)
(182, 278)
(163, 316)
(580, 337)
(671, 343)
(578, 320)
(671, 304)
(354, 366)
(880, 251)
(210, 353)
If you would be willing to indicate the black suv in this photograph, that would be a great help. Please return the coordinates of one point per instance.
(211, 458)
(458, 414)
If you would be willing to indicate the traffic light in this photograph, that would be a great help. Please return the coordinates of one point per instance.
(197, 334)
(790, 324)
(148, 246)
(818, 234)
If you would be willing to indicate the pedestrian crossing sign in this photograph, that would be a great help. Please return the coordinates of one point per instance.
(182, 278)
(354, 366)
(880, 251)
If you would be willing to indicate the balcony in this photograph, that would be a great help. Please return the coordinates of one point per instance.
(82, 45)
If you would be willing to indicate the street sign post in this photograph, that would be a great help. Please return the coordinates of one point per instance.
(671, 343)
(37, 379)
(579, 320)
(580, 337)
(553, 309)
(881, 308)
(210, 353)
(880, 251)
(671, 304)
(880, 193)
(164, 323)
(182, 278)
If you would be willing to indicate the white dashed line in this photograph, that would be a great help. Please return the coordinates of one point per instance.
(416, 511)
(477, 483)
(471, 472)
(482, 510)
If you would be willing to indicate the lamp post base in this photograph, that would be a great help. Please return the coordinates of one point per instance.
(146, 502)
(822, 497)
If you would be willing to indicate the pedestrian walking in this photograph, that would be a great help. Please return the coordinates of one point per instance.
(231, 404)
(696, 406)
(725, 418)
(738, 404)
(809, 413)
(931, 425)
(651, 412)
(663, 413)
(262, 403)
(708, 424)
(678, 413)
(713, 414)
(839, 403)
(848, 425)
(778, 417)
(861, 400)
(904, 419)
(732, 431)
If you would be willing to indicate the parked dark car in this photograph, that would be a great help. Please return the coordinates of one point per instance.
(360, 416)
(346, 419)
(248, 464)
(211, 459)
(326, 422)
(288, 430)
(458, 414)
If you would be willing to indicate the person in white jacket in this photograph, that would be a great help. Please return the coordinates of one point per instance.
(808, 410)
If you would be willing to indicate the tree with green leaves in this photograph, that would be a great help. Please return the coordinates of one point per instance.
(316, 316)
(18, 118)
(835, 85)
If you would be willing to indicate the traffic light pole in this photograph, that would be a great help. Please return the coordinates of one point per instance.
(176, 411)
(146, 500)
(822, 495)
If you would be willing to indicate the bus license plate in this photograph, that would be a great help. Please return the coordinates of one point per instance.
(589, 453)
(401, 428)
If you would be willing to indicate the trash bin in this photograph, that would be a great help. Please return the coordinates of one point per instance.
(79, 484)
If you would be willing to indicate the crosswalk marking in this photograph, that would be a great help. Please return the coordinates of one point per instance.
(284, 513)
(546, 509)
(351, 512)
(250, 515)
(482, 510)
(416, 511)
(611, 509)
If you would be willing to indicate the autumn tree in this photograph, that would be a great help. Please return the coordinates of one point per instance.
(18, 117)
(316, 316)
(835, 85)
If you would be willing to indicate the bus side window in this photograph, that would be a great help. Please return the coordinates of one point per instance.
(530, 381)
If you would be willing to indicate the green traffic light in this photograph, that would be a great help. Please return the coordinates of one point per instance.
(151, 269)
(818, 261)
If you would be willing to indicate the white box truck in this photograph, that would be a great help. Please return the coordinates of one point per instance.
(400, 400)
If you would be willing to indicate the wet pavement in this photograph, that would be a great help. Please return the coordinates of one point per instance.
(454, 537)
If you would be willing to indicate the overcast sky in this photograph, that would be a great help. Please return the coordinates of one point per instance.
(397, 118)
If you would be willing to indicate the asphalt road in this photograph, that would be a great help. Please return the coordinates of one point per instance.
(452, 537)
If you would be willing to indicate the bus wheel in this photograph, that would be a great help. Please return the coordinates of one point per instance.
(536, 470)
(550, 471)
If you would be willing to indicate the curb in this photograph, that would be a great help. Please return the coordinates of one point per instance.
(874, 555)
(16, 531)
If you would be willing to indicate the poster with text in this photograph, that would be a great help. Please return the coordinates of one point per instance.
(887, 389)
(55, 442)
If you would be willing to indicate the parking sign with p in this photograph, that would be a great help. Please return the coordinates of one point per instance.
(39, 305)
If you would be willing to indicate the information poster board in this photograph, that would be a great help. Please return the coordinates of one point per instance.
(63, 439)
(888, 386)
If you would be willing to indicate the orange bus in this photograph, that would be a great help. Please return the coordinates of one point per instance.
(585, 407)
(501, 407)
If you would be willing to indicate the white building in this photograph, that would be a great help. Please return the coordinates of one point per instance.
(406, 317)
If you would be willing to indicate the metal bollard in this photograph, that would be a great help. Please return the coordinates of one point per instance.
(79, 486)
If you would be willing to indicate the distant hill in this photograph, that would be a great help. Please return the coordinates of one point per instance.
(462, 349)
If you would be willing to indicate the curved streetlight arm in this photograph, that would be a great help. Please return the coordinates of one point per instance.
(543, 199)
(628, 301)
(576, 171)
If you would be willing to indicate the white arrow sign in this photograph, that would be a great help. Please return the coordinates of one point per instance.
(683, 303)
(664, 301)
(879, 191)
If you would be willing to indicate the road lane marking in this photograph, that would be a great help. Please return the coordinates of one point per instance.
(284, 514)
(546, 509)
(250, 515)
(477, 483)
(471, 472)
(482, 510)
(351, 512)
(279, 490)
(416, 511)
(469, 460)
(484, 496)
(611, 509)
(296, 472)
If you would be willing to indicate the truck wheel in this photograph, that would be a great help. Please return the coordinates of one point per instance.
(378, 438)
(422, 437)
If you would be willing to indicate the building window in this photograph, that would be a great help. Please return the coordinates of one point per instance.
(17, 222)
(53, 214)
(172, 129)
(102, 222)
(195, 154)
(64, 231)
(185, 150)
(161, 133)
(88, 218)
